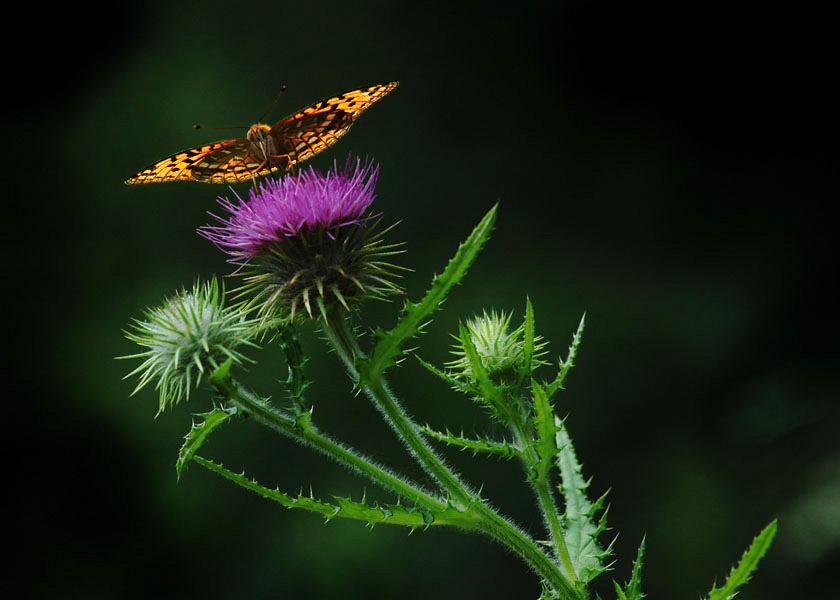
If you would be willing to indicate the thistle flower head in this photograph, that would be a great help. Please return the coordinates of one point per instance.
(500, 349)
(187, 337)
(304, 241)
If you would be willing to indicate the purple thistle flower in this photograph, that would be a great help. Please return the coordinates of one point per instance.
(305, 240)
(284, 207)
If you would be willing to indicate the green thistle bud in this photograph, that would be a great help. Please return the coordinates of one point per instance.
(501, 351)
(187, 337)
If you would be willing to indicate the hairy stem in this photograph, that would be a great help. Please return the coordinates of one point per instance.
(341, 338)
(546, 499)
(303, 430)
(498, 527)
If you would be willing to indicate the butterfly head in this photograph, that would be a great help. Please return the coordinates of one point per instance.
(259, 134)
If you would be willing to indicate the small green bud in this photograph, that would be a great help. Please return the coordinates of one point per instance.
(188, 337)
(502, 351)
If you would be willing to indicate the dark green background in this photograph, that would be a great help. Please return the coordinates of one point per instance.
(667, 170)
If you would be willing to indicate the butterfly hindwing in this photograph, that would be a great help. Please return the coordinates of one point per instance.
(182, 165)
(308, 135)
(231, 163)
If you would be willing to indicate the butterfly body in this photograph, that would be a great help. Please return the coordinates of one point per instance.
(268, 148)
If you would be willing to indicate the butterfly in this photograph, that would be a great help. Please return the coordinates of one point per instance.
(268, 148)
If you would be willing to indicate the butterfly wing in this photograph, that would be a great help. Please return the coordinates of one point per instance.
(304, 137)
(228, 161)
(307, 132)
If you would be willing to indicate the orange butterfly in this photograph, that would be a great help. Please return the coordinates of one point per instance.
(265, 148)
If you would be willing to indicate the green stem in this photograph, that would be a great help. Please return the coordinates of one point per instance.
(507, 533)
(546, 499)
(407, 429)
(303, 430)
(340, 337)
(549, 509)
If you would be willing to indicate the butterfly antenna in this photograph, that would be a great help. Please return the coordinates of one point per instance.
(220, 128)
(273, 104)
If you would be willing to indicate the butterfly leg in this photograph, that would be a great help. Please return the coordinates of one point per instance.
(254, 173)
(281, 161)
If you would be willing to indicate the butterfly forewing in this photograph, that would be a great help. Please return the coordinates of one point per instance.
(317, 127)
(353, 102)
(296, 138)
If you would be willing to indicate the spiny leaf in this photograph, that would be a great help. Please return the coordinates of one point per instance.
(457, 384)
(548, 594)
(567, 364)
(295, 382)
(222, 373)
(393, 514)
(740, 574)
(198, 435)
(489, 390)
(546, 442)
(633, 589)
(490, 394)
(579, 527)
(528, 338)
(414, 314)
(503, 449)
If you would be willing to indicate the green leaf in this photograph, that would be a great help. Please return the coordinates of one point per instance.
(388, 344)
(528, 339)
(198, 435)
(491, 395)
(566, 365)
(457, 384)
(548, 594)
(740, 574)
(295, 382)
(546, 442)
(633, 589)
(503, 449)
(392, 514)
(222, 373)
(580, 530)
(489, 390)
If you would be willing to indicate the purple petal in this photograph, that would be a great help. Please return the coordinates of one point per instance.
(285, 206)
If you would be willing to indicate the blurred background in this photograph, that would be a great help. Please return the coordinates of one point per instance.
(668, 169)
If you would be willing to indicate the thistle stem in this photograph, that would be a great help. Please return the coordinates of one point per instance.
(303, 430)
(545, 497)
(496, 526)
(341, 338)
